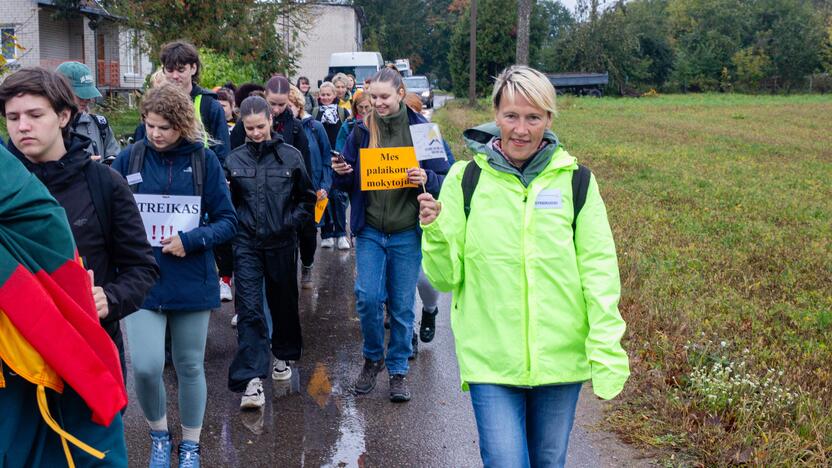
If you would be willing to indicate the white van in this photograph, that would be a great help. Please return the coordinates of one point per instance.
(362, 65)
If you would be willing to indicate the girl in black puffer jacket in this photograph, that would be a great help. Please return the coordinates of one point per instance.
(273, 195)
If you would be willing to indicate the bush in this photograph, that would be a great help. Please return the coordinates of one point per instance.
(218, 70)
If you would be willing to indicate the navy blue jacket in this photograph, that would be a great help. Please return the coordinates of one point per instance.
(319, 157)
(189, 283)
(436, 169)
(213, 119)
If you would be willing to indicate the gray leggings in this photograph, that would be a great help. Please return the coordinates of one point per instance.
(146, 341)
(427, 293)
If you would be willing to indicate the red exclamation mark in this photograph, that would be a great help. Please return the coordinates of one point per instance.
(162, 228)
(171, 231)
(154, 232)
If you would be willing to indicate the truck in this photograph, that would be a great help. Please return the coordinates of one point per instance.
(580, 84)
(362, 65)
(403, 66)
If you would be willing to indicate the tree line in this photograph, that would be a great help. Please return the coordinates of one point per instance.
(668, 45)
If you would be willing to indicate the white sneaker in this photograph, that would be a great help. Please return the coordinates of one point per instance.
(281, 370)
(234, 321)
(254, 397)
(225, 292)
(328, 243)
(343, 243)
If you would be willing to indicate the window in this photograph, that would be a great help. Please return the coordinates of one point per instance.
(8, 42)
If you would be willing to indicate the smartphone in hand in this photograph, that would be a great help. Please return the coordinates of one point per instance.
(338, 156)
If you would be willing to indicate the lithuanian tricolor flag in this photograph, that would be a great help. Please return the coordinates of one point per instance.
(49, 329)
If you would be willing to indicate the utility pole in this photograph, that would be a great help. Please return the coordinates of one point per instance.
(472, 57)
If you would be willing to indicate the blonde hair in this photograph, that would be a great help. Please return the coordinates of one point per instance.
(172, 104)
(527, 82)
(327, 84)
(158, 78)
(340, 77)
(296, 98)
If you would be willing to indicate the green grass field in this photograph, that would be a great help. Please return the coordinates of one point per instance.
(721, 207)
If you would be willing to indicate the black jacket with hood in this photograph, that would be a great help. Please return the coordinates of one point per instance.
(271, 191)
(290, 128)
(127, 270)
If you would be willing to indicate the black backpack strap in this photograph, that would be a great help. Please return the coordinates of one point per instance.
(100, 184)
(103, 126)
(580, 186)
(136, 162)
(470, 178)
(198, 170)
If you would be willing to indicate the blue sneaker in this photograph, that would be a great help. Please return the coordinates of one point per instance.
(159, 449)
(188, 454)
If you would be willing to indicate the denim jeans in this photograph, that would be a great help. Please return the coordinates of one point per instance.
(388, 267)
(521, 427)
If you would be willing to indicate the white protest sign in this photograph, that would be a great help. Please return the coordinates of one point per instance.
(164, 216)
(427, 141)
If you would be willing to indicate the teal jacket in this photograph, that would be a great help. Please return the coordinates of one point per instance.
(530, 305)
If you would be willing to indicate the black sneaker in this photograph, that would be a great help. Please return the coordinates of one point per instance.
(427, 329)
(399, 393)
(415, 347)
(366, 381)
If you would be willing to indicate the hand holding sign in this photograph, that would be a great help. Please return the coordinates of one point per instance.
(387, 168)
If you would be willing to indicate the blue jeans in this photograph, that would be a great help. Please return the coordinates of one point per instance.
(388, 267)
(521, 427)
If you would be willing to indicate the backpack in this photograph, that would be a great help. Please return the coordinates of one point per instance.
(101, 188)
(103, 127)
(136, 163)
(580, 186)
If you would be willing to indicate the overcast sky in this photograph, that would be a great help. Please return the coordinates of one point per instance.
(570, 4)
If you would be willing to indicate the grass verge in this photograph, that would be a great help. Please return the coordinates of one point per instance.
(721, 209)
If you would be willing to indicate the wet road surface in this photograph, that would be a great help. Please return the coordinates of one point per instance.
(313, 419)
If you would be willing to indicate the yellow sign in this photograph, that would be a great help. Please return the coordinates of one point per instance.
(386, 168)
(320, 207)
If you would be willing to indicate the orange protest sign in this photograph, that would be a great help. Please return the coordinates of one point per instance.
(320, 207)
(386, 168)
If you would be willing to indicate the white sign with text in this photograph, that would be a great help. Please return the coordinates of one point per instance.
(428, 141)
(164, 216)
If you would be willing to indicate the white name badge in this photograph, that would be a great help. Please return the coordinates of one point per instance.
(549, 199)
(134, 178)
(164, 216)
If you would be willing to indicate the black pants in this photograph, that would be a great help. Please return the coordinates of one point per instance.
(224, 255)
(308, 240)
(278, 267)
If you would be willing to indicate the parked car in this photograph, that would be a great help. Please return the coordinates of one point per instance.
(420, 85)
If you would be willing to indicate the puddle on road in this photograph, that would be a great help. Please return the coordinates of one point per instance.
(350, 449)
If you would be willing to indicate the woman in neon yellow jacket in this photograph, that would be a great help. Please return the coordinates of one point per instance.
(535, 303)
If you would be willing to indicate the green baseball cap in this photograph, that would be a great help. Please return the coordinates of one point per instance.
(80, 77)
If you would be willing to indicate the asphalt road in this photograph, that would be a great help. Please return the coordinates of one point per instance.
(313, 420)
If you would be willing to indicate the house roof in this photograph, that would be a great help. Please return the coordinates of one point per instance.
(87, 7)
